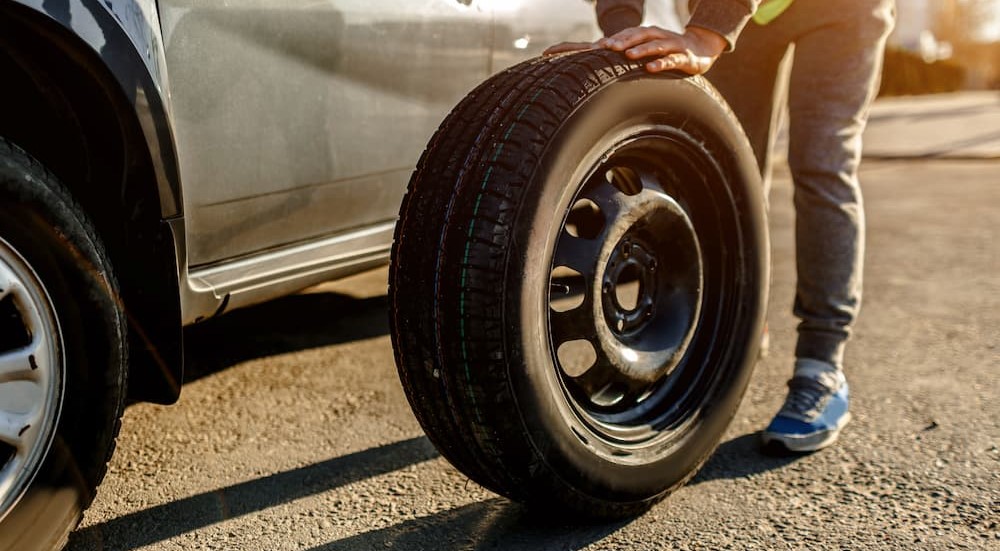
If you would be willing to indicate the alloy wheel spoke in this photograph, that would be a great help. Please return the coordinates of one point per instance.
(8, 283)
(20, 364)
(15, 428)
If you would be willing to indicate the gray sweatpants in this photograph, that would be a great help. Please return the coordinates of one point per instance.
(837, 60)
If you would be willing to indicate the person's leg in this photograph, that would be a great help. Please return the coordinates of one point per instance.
(754, 80)
(835, 75)
(749, 78)
(834, 78)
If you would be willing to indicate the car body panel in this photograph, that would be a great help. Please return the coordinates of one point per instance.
(524, 28)
(300, 119)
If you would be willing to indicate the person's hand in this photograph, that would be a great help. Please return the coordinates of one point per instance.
(693, 52)
(564, 47)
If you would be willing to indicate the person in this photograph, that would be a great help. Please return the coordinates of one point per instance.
(837, 49)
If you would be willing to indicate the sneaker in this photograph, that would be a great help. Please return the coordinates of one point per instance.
(815, 410)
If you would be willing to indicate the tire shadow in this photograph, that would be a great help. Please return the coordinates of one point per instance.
(486, 525)
(498, 524)
(743, 457)
(288, 324)
(162, 522)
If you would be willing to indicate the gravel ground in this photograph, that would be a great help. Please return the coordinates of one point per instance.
(293, 432)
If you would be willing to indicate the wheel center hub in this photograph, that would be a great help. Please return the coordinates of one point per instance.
(650, 288)
(629, 279)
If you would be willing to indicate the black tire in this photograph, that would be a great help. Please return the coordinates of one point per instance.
(48, 247)
(645, 171)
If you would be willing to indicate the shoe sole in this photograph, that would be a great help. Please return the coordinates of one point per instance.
(807, 442)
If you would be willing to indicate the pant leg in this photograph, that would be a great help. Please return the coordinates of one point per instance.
(748, 78)
(835, 76)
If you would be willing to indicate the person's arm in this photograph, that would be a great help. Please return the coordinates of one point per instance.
(713, 29)
(724, 17)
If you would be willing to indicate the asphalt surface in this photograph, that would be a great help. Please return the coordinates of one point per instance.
(294, 432)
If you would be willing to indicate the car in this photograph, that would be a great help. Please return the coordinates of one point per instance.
(162, 163)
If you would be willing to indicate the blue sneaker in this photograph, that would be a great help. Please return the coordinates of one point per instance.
(815, 410)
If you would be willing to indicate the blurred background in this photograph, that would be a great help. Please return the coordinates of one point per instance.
(943, 46)
(937, 45)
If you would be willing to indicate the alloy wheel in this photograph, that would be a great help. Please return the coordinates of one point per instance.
(31, 380)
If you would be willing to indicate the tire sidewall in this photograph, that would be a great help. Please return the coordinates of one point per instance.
(50, 233)
(604, 119)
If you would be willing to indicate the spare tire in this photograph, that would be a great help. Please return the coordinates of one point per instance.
(579, 281)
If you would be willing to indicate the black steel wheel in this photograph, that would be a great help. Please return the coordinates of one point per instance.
(579, 281)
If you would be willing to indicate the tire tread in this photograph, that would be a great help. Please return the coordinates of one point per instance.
(491, 136)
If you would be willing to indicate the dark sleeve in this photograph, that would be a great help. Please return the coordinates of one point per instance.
(726, 17)
(617, 15)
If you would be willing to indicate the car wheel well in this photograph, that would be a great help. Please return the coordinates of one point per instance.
(61, 105)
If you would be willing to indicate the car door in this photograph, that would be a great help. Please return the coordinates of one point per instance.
(299, 119)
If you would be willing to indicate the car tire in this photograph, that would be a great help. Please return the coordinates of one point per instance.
(579, 281)
(62, 357)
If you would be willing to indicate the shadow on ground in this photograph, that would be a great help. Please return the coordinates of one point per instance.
(498, 524)
(492, 524)
(742, 457)
(486, 525)
(289, 324)
(165, 521)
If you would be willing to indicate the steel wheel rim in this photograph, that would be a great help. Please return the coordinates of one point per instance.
(628, 426)
(31, 375)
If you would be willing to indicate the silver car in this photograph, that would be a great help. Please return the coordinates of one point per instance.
(165, 162)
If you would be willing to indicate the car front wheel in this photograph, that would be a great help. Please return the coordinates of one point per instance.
(62, 357)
